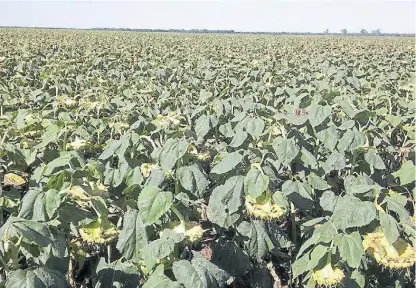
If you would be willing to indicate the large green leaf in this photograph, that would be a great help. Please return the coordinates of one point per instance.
(374, 160)
(153, 203)
(406, 173)
(350, 248)
(225, 201)
(254, 126)
(318, 114)
(117, 274)
(255, 183)
(32, 232)
(36, 278)
(228, 256)
(157, 250)
(286, 150)
(255, 238)
(171, 152)
(193, 179)
(299, 192)
(389, 227)
(199, 273)
(329, 137)
(351, 140)
(158, 279)
(133, 236)
(204, 124)
(352, 212)
(228, 163)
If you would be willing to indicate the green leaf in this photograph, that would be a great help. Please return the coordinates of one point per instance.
(254, 126)
(300, 193)
(172, 151)
(228, 256)
(157, 250)
(318, 114)
(317, 182)
(225, 201)
(239, 137)
(352, 212)
(228, 163)
(193, 179)
(199, 273)
(117, 274)
(36, 278)
(316, 255)
(357, 280)
(328, 201)
(389, 227)
(133, 236)
(255, 238)
(255, 183)
(360, 188)
(329, 137)
(286, 150)
(397, 206)
(32, 232)
(158, 279)
(300, 266)
(110, 150)
(351, 140)
(335, 161)
(260, 277)
(406, 173)
(204, 124)
(350, 248)
(153, 203)
(134, 177)
(308, 158)
(374, 160)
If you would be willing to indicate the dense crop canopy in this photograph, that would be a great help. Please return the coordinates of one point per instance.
(168, 160)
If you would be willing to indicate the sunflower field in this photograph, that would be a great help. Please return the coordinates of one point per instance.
(203, 161)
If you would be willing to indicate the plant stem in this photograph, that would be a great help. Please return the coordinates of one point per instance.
(293, 221)
(108, 254)
(177, 213)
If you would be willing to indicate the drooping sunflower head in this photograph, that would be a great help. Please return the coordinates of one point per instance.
(146, 168)
(98, 189)
(399, 255)
(328, 276)
(193, 232)
(100, 231)
(77, 144)
(264, 208)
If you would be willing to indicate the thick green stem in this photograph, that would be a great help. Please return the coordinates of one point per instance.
(109, 254)
(3, 139)
(178, 214)
(293, 222)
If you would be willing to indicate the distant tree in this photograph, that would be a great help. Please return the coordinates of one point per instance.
(377, 31)
(364, 32)
(344, 31)
(326, 31)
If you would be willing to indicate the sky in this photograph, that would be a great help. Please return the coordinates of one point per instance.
(247, 16)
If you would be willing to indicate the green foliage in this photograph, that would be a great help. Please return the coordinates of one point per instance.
(133, 159)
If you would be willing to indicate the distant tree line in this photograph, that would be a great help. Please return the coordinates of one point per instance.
(343, 32)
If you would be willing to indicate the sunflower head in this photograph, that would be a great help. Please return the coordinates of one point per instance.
(77, 144)
(328, 276)
(100, 231)
(193, 232)
(146, 169)
(264, 208)
(98, 189)
(400, 255)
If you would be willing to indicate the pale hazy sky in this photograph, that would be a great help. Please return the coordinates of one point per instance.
(274, 16)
